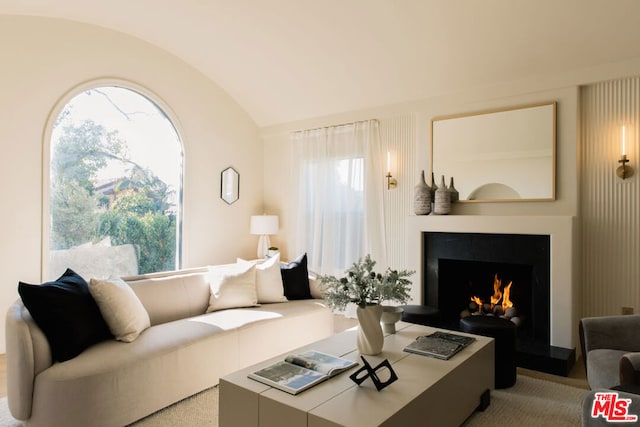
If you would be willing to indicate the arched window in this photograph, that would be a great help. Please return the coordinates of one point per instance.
(115, 186)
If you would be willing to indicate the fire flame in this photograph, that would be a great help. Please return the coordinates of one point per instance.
(477, 301)
(498, 295)
(506, 302)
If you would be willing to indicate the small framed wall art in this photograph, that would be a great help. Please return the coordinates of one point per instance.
(230, 185)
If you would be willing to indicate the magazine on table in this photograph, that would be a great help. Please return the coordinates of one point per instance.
(441, 345)
(298, 372)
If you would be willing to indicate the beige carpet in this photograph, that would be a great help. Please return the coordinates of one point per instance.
(533, 401)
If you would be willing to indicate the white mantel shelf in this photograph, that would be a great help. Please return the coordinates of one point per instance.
(541, 224)
(563, 232)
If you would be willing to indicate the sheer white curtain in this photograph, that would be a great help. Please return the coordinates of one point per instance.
(340, 178)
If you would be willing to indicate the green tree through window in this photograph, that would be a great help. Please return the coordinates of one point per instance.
(115, 184)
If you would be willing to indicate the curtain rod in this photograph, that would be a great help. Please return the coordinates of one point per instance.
(338, 125)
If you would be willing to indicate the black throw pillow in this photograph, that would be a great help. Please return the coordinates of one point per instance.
(295, 279)
(67, 314)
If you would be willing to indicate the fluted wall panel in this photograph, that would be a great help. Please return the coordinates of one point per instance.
(398, 136)
(610, 206)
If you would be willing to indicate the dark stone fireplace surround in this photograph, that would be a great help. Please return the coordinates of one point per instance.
(465, 256)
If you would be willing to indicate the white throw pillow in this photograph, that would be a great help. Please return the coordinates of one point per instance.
(315, 286)
(268, 279)
(120, 307)
(232, 286)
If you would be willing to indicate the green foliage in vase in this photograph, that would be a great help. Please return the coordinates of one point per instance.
(363, 286)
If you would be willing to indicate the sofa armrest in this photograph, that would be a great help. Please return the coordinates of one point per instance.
(610, 332)
(28, 354)
(630, 369)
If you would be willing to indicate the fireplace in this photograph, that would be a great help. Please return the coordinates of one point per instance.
(458, 267)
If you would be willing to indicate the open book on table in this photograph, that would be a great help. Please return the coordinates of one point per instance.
(441, 345)
(298, 372)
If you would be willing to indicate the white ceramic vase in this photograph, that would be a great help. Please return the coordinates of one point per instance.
(370, 338)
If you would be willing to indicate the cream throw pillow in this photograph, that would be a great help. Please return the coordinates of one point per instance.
(232, 286)
(268, 280)
(120, 307)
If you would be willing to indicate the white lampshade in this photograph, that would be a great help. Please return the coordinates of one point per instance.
(264, 224)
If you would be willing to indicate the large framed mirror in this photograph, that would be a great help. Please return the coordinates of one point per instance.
(499, 155)
(230, 185)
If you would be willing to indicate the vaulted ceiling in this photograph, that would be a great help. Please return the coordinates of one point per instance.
(288, 60)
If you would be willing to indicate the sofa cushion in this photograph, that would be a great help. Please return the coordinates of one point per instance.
(232, 287)
(67, 314)
(120, 307)
(188, 290)
(269, 285)
(295, 278)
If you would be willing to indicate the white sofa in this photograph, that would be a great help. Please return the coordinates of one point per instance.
(183, 352)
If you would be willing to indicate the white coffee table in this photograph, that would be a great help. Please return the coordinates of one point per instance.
(428, 392)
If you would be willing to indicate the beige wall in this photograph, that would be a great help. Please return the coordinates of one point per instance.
(42, 60)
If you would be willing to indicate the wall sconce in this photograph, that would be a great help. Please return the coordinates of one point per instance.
(624, 171)
(263, 225)
(391, 181)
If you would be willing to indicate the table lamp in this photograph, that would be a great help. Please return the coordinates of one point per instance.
(264, 225)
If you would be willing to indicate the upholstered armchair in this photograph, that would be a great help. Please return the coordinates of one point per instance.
(611, 350)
